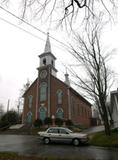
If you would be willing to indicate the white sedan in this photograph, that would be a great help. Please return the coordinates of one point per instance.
(60, 134)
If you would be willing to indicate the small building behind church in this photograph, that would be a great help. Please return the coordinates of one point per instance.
(48, 96)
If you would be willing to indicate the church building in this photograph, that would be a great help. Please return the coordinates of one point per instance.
(48, 96)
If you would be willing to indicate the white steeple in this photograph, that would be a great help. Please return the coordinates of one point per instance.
(47, 45)
(47, 58)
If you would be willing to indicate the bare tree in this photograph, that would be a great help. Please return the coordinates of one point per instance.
(20, 101)
(25, 87)
(64, 10)
(95, 79)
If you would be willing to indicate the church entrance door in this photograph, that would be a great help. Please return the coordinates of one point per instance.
(60, 113)
(29, 118)
(42, 113)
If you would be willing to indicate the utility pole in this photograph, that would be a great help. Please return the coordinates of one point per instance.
(8, 103)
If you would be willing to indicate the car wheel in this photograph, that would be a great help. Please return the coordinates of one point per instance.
(76, 142)
(46, 140)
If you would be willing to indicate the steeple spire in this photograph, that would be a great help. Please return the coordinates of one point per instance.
(47, 59)
(47, 45)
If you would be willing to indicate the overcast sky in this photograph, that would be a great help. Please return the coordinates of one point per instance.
(19, 52)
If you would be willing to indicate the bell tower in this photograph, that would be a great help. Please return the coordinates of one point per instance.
(47, 59)
(45, 70)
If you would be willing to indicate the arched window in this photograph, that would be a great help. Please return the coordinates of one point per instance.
(60, 113)
(52, 62)
(44, 61)
(42, 113)
(43, 91)
(29, 117)
(30, 100)
(59, 96)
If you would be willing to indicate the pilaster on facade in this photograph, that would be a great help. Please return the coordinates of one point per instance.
(49, 92)
(69, 103)
(37, 98)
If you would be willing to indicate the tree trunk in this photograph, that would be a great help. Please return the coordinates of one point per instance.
(106, 121)
(107, 127)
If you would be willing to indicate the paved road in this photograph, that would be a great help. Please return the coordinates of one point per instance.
(30, 145)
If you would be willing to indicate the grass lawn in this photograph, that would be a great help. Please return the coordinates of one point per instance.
(14, 156)
(100, 139)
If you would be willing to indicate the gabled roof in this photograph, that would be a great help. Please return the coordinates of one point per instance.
(29, 87)
(71, 89)
(47, 49)
(75, 92)
(114, 92)
(46, 54)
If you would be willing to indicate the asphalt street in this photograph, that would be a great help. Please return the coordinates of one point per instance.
(31, 145)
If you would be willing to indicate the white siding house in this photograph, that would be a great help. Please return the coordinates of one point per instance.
(114, 107)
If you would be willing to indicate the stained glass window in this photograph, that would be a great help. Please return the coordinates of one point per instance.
(43, 91)
(59, 96)
(30, 100)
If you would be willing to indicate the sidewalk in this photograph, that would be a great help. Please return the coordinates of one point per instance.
(94, 129)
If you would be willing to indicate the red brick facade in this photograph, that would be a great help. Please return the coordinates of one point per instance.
(50, 97)
(73, 105)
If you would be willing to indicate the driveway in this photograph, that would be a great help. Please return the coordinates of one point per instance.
(30, 145)
(94, 129)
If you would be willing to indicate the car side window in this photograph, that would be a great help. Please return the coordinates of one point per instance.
(53, 130)
(63, 131)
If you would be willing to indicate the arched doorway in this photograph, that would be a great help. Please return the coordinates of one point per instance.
(42, 113)
(29, 117)
(60, 113)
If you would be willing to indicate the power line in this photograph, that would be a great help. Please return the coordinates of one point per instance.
(64, 45)
(22, 20)
(21, 29)
(26, 31)
(33, 26)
